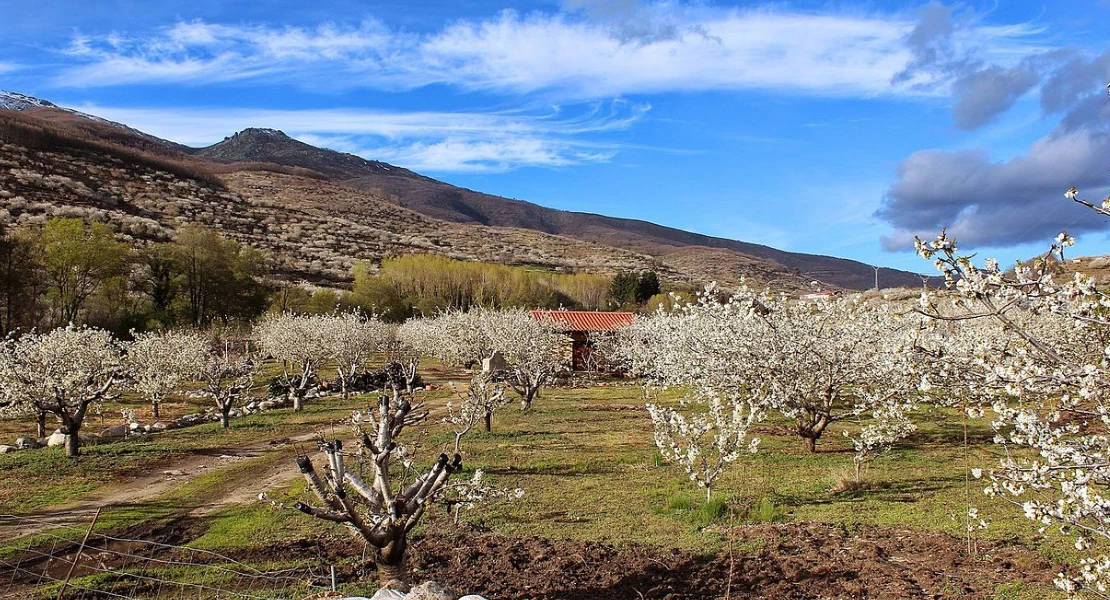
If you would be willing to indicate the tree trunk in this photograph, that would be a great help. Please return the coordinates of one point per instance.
(298, 402)
(526, 400)
(390, 559)
(387, 573)
(154, 408)
(489, 422)
(225, 416)
(41, 422)
(73, 442)
(811, 444)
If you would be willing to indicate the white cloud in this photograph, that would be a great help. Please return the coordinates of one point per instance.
(8, 67)
(663, 47)
(423, 141)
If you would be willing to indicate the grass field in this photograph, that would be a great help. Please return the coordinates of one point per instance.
(586, 460)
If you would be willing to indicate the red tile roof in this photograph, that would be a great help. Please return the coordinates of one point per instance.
(584, 320)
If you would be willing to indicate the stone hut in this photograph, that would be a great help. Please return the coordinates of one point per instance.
(583, 327)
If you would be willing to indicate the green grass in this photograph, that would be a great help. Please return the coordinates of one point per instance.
(587, 474)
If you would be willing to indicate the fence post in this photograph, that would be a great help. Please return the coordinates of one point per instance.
(77, 556)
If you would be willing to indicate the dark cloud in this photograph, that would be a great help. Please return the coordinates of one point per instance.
(1072, 81)
(982, 95)
(931, 45)
(985, 202)
(1004, 203)
(981, 91)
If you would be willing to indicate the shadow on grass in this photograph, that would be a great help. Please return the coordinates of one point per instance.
(904, 491)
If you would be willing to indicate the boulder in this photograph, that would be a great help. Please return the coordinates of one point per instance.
(388, 594)
(432, 590)
(4, 448)
(472, 597)
(159, 426)
(115, 431)
(26, 443)
(56, 439)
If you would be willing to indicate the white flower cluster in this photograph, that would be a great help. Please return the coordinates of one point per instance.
(481, 399)
(474, 492)
(309, 342)
(815, 362)
(1035, 352)
(703, 442)
(530, 348)
(158, 362)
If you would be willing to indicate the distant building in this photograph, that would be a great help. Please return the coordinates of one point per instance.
(583, 328)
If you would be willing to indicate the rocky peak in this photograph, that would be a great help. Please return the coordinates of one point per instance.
(17, 101)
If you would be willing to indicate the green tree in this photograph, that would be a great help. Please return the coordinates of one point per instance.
(155, 280)
(21, 280)
(218, 278)
(79, 260)
(623, 288)
(647, 285)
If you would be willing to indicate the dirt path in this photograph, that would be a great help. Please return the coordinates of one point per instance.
(270, 457)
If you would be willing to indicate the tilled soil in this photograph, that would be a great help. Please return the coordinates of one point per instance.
(811, 561)
(793, 561)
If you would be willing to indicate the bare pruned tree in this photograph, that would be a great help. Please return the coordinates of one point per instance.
(380, 512)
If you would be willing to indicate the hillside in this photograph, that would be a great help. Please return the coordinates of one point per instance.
(312, 228)
(451, 203)
(66, 162)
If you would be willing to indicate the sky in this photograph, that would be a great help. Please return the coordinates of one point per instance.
(839, 128)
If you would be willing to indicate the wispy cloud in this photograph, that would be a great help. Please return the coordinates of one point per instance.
(9, 67)
(637, 49)
(424, 141)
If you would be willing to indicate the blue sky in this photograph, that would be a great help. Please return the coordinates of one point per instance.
(839, 128)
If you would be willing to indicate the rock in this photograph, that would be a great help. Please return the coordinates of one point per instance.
(472, 597)
(162, 426)
(135, 426)
(56, 439)
(397, 584)
(114, 432)
(432, 590)
(174, 473)
(388, 594)
(4, 448)
(26, 443)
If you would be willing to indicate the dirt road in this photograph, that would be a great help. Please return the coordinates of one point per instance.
(271, 466)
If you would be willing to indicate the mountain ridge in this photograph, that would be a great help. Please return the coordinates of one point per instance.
(446, 202)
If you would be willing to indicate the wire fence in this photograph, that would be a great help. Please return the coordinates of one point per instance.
(71, 560)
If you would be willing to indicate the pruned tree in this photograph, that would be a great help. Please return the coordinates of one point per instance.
(300, 342)
(476, 404)
(226, 375)
(64, 373)
(158, 362)
(380, 512)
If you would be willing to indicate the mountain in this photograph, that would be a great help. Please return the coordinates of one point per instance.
(460, 205)
(333, 195)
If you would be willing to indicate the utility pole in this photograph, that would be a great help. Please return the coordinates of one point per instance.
(876, 277)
